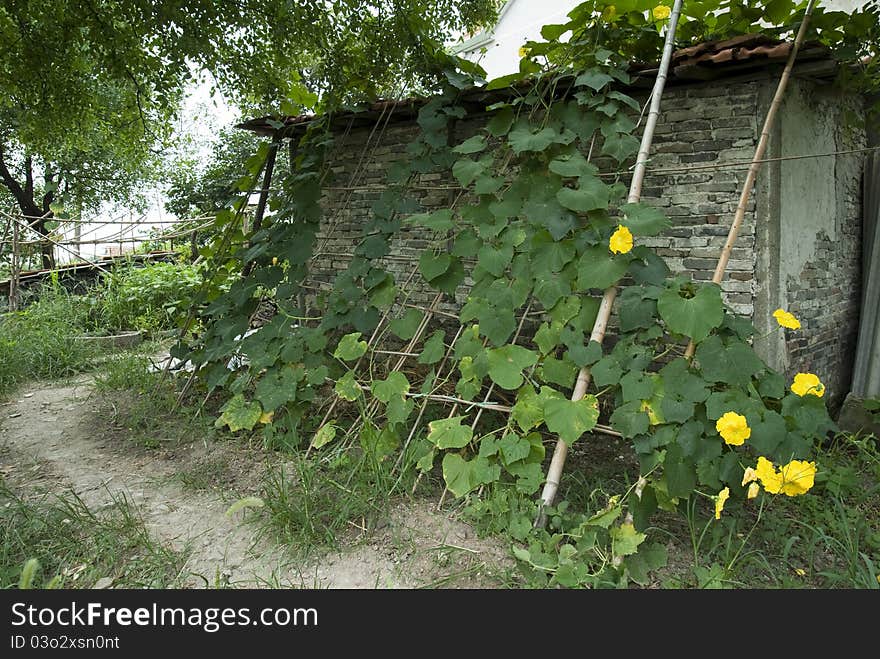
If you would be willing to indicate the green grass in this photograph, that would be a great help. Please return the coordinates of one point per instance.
(313, 505)
(75, 547)
(827, 538)
(40, 343)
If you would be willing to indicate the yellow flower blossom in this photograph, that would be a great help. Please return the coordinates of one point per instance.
(621, 241)
(523, 51)
(749, 475)
(808, 383)
(274, 260)
(786, 319)
(793, 479)
(720, 500)
(798, 476)
(733, 428)
(754, 488)
(801, 572)
(660, 12)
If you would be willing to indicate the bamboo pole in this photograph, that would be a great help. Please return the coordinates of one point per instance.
(46, 239)
(756, 160)
(560, 453)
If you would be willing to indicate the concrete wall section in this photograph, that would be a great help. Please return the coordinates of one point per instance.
(809, 264)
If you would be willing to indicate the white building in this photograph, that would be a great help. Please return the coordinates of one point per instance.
(497, 49)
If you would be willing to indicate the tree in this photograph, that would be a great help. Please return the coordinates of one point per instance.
(204, 190)
(89, 88)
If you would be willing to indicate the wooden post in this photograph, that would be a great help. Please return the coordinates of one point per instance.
(264, 196)
(13, 278)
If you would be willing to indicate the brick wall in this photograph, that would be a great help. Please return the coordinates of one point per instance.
(704, 130)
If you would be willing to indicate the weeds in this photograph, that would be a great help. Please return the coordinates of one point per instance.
(74, 547)
(40, 342)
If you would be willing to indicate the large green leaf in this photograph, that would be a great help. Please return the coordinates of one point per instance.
(528, 412)
(593, 78)
(644, 220)
(523, 138)
(277, 387)
(649, 557)
(473, 144)
(599, 268)
(434, 349)
(239, 414)
(347, 387)
(450, 433)
(620, 146)
(571, 419)
(459, 474)
(466, 170)
(694, 316)
(768, 432)
(629, 419)
(558, 371)
(680, 475)
(625, 540)
(514, 448)
(433, 265)
(501, 122)
(572, 165)
(350, 347)
(394, 386)
(734, 363)
(507, 363)
(438, 220)
(495, 261)
(405, 327)
(590, 194)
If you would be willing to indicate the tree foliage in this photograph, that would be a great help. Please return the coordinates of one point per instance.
(90, 87)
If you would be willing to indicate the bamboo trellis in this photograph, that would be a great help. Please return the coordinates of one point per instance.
(557, 463)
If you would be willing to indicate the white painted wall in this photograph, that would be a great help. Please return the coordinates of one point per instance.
(497, 50)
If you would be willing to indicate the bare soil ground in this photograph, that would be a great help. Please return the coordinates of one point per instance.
(53, 435)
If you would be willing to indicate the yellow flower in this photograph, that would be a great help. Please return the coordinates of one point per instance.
(769, 477)
(749, 475)
(798, 476)
(800, 571)
(754, 488)
(793, 479)
(733, 428)
(660, 12)
(720, 500)
(523, 51)
(786, 319)
(621, 241)
(274, 260)
(807, 383)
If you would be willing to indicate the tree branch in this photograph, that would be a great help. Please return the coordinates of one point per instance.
(29, 177)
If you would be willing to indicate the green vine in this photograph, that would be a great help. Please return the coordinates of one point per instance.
(540, 228)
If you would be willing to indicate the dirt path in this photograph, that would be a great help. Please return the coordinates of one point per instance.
(54, 427)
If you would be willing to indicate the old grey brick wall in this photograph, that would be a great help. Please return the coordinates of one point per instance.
(704, 140)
